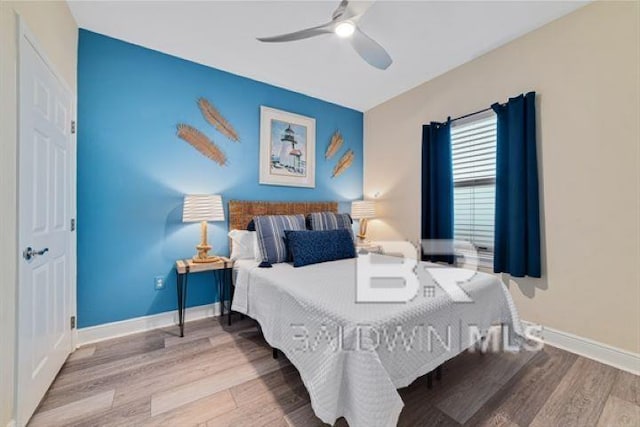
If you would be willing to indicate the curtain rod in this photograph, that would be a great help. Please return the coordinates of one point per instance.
(470, 114)
(449, 119)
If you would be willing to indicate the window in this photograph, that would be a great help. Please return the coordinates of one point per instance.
(474, 178)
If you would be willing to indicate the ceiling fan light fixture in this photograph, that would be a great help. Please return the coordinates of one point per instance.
(345, 29)
(344, 23)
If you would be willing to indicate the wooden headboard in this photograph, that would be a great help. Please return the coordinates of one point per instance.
(243, 211)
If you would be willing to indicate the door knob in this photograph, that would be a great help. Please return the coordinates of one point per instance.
(29, 253)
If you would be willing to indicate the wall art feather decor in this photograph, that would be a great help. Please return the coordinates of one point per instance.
(343, 164)
(213, 116)
(202, 143)
(336, 142)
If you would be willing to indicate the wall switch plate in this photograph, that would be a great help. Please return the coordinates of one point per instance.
(158, 283)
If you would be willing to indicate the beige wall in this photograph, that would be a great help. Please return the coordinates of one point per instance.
(585, 69)
(57, 33)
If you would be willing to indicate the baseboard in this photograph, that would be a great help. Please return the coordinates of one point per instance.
(122, 328)
(600, 352)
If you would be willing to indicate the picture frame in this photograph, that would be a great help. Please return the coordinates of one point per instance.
(287, 148)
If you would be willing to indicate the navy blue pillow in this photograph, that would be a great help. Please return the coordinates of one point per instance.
(312, 247)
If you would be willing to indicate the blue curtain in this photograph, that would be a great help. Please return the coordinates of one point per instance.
(437, 186)
(517, 222)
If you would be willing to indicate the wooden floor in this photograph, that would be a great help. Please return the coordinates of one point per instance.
(225, 376)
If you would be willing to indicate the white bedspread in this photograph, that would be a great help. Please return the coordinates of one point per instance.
(351, 356)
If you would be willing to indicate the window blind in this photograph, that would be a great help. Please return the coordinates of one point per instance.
(474, 176)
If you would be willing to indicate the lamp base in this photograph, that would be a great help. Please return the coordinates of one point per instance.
(203, 255)
(362, 232)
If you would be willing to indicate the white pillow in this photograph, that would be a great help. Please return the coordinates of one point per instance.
(244, 245)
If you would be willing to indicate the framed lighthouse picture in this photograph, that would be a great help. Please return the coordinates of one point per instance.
(287, 148)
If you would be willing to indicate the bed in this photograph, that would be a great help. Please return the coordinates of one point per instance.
(352, 357)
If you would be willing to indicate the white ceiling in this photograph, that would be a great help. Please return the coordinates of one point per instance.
(425, 39)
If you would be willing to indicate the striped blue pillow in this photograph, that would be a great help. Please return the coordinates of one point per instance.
(271, 236)
(325, 221)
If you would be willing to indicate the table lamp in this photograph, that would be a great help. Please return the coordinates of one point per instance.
(203, 208)
(363, 210)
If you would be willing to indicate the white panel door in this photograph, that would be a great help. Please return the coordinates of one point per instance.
(44, 205)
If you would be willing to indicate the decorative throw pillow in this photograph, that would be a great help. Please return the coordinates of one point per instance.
(271, 236)
(321, 221)
(312, 247)
(244, 245)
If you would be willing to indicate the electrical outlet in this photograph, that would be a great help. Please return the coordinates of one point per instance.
(158, 283)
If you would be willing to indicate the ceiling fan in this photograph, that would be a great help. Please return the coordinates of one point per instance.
(344, 23)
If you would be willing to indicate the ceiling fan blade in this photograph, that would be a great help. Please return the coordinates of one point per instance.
(352, 9)
(340, 10)
(299, 35)
(370, 50)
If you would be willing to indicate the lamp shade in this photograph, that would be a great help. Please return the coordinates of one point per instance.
(363, 209)
(202, 207)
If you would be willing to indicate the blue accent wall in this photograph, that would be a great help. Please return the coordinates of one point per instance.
(133, 170)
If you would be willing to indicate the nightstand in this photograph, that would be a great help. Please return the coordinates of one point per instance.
(222, 272)
(369, 247)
